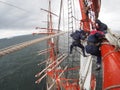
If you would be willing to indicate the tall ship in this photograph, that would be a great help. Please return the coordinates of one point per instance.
(76, 71)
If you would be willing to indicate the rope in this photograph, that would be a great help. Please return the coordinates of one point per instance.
(20, 46)
(9, 4)
(74, 13)
(116, 37)
(112, 87)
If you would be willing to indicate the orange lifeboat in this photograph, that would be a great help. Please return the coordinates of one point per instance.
(111, 67)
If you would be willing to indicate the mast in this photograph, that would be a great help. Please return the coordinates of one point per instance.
(89, 12)
(85, 20)
(110, 53)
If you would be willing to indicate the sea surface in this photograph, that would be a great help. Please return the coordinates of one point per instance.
(18, 69)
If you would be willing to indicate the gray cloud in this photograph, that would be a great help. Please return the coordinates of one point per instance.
(25, 14)
(31, 15)
(109, 13)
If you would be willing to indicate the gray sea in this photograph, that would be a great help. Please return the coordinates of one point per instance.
(18, 69)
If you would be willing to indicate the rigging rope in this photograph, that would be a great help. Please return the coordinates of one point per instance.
(20, 46)
(74, 14)
(112, 87)
(6, 3)
(59, 23)
(64, 44)
(117, 41)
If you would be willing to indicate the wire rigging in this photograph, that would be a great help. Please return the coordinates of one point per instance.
(9, 4)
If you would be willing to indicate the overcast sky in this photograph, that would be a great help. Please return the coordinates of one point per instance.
(27, 14)
(110, 13)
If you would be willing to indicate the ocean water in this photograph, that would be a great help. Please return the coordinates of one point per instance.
(18, 69)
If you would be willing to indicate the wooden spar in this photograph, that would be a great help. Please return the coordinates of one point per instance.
(96, 4)
(57, 78)
(51, 86)
(37, 75)
(47, 28)
(43, 62)
(20, 46)
(39, 80)
(49, 12)
(43, 33)
(43, 52)
(85, 18)
(48, 59)
(69, 69)
(89, 11)
(59, 62)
